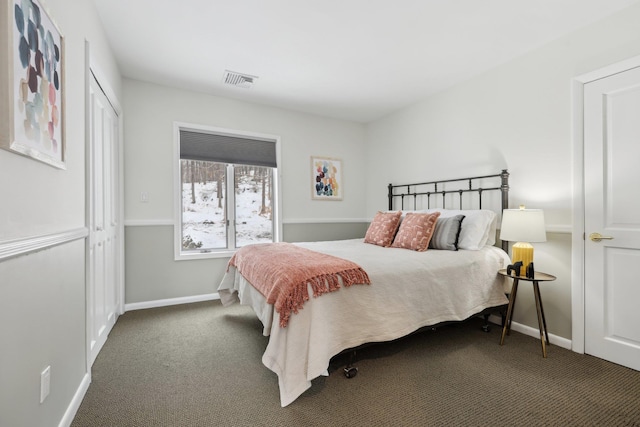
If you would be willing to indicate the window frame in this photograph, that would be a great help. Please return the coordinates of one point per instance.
(179, 255)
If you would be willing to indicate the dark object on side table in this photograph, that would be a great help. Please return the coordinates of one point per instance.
(515, 268)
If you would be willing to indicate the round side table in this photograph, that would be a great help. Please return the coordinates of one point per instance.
(542, 323)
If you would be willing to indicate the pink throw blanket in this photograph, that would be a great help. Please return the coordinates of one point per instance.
(281, 272)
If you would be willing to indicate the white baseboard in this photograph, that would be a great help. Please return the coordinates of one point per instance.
(533, 332)
(71, 411)
(170, 301)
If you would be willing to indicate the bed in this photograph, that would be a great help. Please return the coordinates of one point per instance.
(408, 288)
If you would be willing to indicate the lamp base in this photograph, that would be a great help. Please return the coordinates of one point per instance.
(522, 252)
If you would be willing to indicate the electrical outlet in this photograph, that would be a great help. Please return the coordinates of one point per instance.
(45, 383)
(144, 197)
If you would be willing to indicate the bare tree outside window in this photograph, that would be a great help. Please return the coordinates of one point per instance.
(254, 222)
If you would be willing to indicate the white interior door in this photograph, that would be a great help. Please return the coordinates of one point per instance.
(104, 236)
(612, 209)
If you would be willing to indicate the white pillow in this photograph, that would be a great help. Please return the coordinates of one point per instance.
(476, 231)
(493, 227)
(404, 213)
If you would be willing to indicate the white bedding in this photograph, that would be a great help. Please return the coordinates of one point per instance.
(408, 290)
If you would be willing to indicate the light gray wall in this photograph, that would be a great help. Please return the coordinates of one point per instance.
(152, 273)
(42, 302)
(516, 116)
(306, 232)
(43, 324)
(150, 113)
(554, 257)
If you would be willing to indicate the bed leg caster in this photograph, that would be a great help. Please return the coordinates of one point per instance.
(486, 327)
(350, 371)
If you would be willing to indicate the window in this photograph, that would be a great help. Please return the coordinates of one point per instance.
(227, 192)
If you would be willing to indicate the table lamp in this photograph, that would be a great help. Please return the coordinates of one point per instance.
(523, 226)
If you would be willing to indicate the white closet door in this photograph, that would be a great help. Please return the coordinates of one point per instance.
(104, 252)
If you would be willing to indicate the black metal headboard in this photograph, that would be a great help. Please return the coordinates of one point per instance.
(460, 186)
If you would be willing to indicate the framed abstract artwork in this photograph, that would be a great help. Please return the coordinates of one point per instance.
(32, 119)
(326, 176)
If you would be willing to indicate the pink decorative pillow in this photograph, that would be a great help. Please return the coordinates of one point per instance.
(383, 228)
(415, 231)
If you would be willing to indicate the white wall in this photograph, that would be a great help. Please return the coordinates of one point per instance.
(517, 116)
(42, 294)
(150, 112)
(37, 185)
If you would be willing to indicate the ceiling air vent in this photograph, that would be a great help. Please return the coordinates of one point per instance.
(238, 79)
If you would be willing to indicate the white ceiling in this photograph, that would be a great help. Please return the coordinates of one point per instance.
(351, 59)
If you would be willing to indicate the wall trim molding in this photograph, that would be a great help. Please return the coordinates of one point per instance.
(324, 220)
(533, 332)
(157, 222)
(74, 405)
(559, 229)
(27, 245)
(147, 222)
(170, 301)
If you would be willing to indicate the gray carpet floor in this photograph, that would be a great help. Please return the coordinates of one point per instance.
(200, 365)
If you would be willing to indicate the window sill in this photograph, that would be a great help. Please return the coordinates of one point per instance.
(205, 255)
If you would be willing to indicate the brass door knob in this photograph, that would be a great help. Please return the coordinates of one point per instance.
(596, 237)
